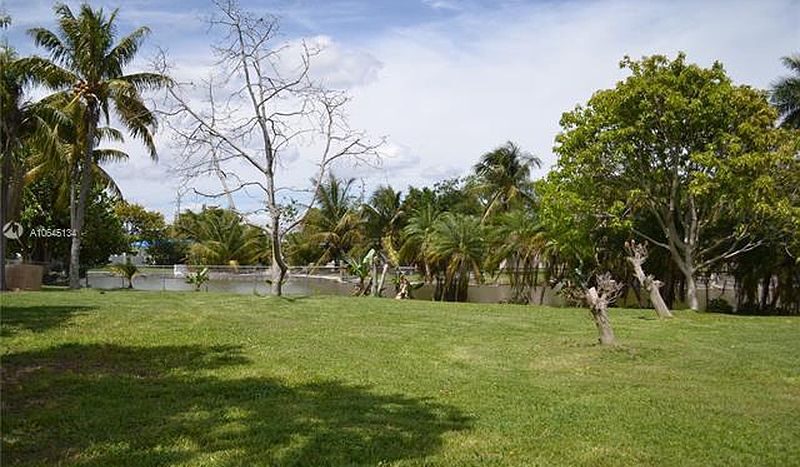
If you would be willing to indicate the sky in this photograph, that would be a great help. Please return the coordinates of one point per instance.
(443, 81)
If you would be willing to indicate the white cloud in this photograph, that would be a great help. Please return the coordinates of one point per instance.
(452, 90)
(447, 91)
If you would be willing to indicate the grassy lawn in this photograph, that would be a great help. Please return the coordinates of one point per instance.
(138, 378)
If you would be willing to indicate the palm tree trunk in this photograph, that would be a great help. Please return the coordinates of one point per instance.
(3, 209)
(78, 204)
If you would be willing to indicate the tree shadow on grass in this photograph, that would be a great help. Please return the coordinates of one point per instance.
(14, 319)
(115, 405)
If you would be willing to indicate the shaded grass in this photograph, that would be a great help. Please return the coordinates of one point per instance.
(134, 378)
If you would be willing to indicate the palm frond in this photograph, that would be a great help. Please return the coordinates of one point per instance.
(125, 50)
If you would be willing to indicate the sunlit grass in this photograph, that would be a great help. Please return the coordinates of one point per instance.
(138, 378)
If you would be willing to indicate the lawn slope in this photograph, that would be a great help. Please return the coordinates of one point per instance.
(137, 378)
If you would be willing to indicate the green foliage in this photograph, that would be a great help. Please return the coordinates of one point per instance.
(87, 65)
(458, 247)
(221, 237)
(140, 224)
(502, 178)
(418, 238)
(517, 242)
(198, 279)
(361, 268)
(384, 216)
(785, 93)
(126, 270)
(168, 250)
(719, 305)
(103, 234)
(334, 225)
(677, 145)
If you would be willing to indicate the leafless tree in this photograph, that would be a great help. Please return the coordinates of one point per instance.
(637, 255)
(261, 104)
(598, 297)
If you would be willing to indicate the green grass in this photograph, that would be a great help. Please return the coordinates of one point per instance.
(137, 378)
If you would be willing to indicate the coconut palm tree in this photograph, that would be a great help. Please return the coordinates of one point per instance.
(61, 158)
(418, 236)
(503, 176)
(334, 224)
(458, 243)
(785, 95)
(86, 66)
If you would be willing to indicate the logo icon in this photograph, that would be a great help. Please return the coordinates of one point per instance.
(12, 230)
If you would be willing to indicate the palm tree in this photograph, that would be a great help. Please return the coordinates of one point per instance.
(221, 237)
(62, 157)
(503, 176)
(86, 66)
(517, 243)
(418, 237)
(458, 243)
(126, 270)
(334, 224)
(384, 215)
(23, 127)
(785, 95)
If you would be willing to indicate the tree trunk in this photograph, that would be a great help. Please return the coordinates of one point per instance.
(3, 219)
(691, 292)
(603, 326)
(374, 292)
(278, 266)
(658, 302)
(78, 206)
(652, 286)
(77, 221)
(383, 279)
(599, 310)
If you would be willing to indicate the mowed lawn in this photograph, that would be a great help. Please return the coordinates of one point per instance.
(141, 378)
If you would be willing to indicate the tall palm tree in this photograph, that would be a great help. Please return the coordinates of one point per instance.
(458, 243)
(785, 95)
(334, 224)
(503, 176)
(86, 66)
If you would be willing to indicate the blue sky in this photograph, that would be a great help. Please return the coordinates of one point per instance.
(446, 80)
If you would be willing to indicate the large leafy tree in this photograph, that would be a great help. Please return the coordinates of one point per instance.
(686, 146)
(785, 94)
(141, 224)
(86, 67)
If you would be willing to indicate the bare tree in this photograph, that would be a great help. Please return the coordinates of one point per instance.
(271, 106)
(598, 297)
(637, 255)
